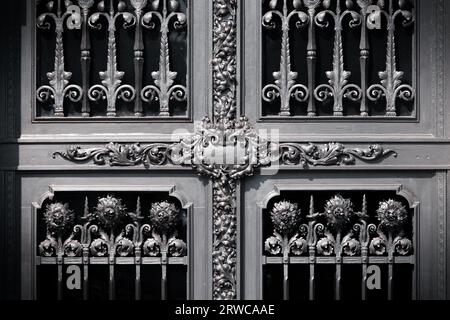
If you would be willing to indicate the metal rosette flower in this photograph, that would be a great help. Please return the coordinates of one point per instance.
(164, 217)
(109, 212)
(339, 211)
(58, 217)
(392, 214)
(286, 217)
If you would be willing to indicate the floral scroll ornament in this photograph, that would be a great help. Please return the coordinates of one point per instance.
(58, 218)
(391, 234)
(289, 234)
(340, 234)
(164, 219)
(108, 214)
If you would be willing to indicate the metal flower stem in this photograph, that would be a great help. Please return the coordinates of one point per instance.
(284, 86)
(138, 6)
(112, 87)
(164, 90)
(59, 88)
(338, 86)
(364, 49)
(85, 47)
(391, 86)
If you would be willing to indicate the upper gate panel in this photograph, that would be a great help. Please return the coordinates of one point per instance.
(112, 59)
(338, 59)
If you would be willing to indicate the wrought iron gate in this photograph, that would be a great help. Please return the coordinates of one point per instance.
(318, 129)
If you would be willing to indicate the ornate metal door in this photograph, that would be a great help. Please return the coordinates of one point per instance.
(225, 149)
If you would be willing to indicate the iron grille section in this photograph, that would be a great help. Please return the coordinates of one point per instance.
(338, 58)
(335, 239)
(110, 237)
(112, 59)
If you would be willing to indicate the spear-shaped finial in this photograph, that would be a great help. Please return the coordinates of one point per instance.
(86, 208)
(364, 206)
(311, 205)
(138, 207)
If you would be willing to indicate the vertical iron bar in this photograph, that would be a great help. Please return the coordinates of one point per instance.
(111, 282)
(285, 65)
(286, 269)
(112, 252)
(338, 266)
(285, 281)
(164, 64)
(312, 60)
(85, 57)
(364, 275)
(364, 48)
(390, 265)
(85, 282)
(138, 57)
(338, 278)
(164, 276)
(137, 283)
(391, 68)
(312, 277)
(60, 280)
(390, 278)
(59, 261)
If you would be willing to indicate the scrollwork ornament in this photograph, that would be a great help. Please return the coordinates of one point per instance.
(338, 86)
(120, 155)
(59, 88)
(392, 88)
(111, 88)
(285, 88)
(330, 154)
(164, 90)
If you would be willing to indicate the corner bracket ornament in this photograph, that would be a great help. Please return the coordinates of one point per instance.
(225, 150)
